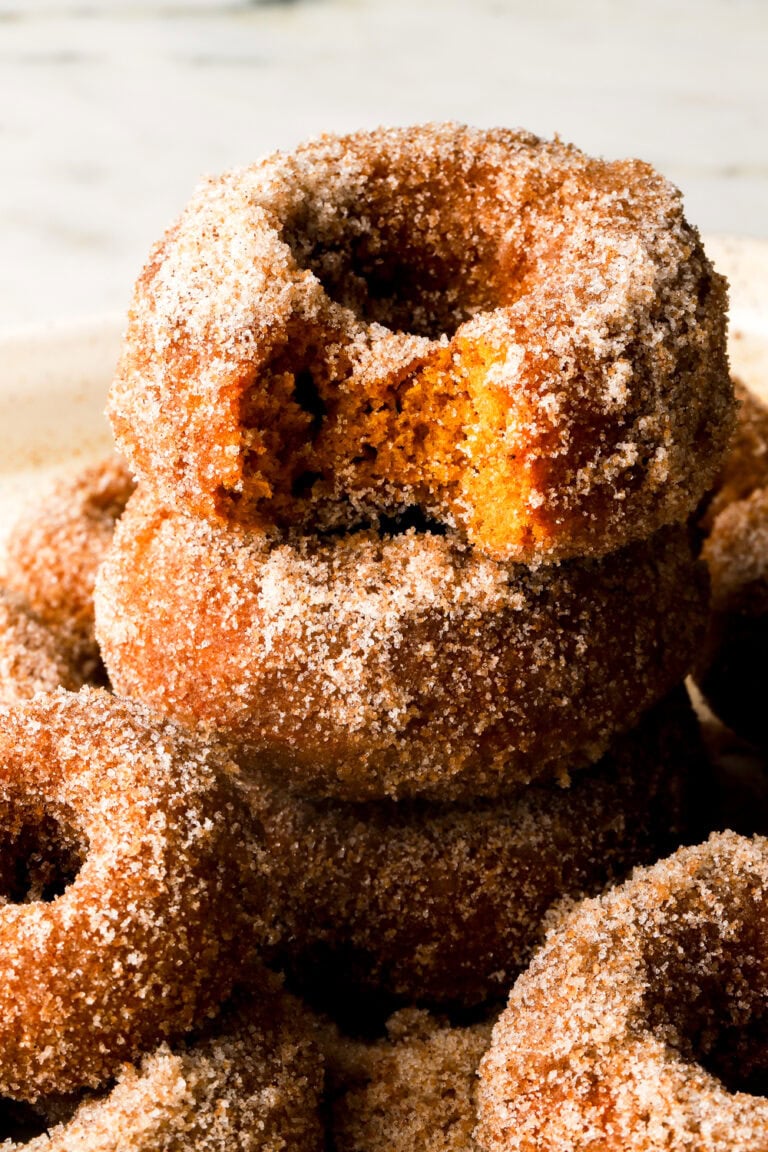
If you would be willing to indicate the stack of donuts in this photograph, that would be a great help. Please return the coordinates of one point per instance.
(400, 585)
(418, 419)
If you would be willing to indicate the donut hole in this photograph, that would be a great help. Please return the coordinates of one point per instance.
(39, 859)
(713, 1007)
(416, 246)
(400, 279)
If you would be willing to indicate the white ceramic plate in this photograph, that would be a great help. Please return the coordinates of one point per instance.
(53, 381)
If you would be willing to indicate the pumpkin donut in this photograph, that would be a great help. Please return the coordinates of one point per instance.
(525, 343)
(412, 1091)
(122, 879)
(31, 659)
(445, 903)
(362, 667)
(642, 1025)
(54, 550)
(251, 1081)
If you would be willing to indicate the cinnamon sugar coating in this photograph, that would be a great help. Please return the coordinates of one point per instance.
(445, 903)
(31, 659)
(362, 667)
(121, 880)
(414, 1091)
(526, 343)
(643, 1022)
(251, 1082)
(745, 467)
(55, 549)
(733, 671)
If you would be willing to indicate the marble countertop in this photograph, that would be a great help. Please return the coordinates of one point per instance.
(110, 111)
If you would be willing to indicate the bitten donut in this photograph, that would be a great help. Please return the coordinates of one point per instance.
(445, 903)
(251, 1082)
(413, 1091)
(361, 667)
(526, 344)
(122, 881)
(54, 550)
(642, 1023)
(31, 659)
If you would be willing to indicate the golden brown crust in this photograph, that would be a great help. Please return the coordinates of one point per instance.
(641, 1025)
(55, 549)
(445, 903)
(526, 343)
(31, 659)
(123, 928)
(414, 1091)
(361, 667)
(252, 1082)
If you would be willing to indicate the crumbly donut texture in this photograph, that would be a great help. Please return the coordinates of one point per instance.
(445, 903)
(122, 883)
(253, 1083)
(414, 1091)
(31, 659)
(526, 343)
(642, 1024)
(363, 667)
(54, 550)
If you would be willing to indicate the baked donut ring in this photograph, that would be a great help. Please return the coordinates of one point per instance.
(31, 659)
(643, 1022)
(526, 343)
(252, 1081)
(445, 903)
(362, 667)
(122, 882)
(54, 550)
(413, 1091)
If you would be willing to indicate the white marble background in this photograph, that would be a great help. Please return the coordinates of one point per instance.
(109, 110)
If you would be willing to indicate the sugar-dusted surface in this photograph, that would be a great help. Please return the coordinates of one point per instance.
(746, 465)
(445, 903)
(53, 552)
(363, 667)
(642, 1023)
(414, 1091)
(251, 1082)
(31, 658)
(526, 343)
(733, 671)
(142, 943)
